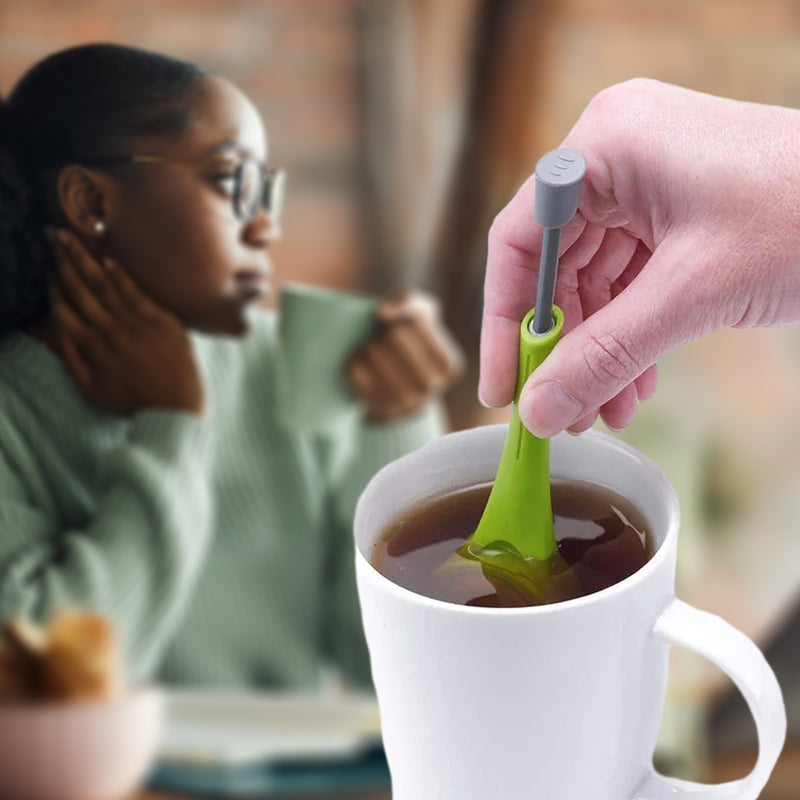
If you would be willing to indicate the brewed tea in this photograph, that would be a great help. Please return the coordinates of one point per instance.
(602, 539)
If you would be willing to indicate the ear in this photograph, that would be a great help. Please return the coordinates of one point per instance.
(85, 197)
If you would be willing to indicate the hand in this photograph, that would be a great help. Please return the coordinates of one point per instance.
(124, 352)
(689, 221)
(411, 360)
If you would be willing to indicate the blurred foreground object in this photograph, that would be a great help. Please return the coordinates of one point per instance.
(69, 727)
(76, 657)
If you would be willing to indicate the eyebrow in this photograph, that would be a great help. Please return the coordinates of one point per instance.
(228, 144)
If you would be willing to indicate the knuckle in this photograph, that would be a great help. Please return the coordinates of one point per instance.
(605, 101)
(458, 366)
(602, 121)
(497, 231)
(595, 282)
(610, 97)
(608, 359)
(427, 383)
(427, 305)
(354, 369)
(371, 351)
(413, 401)
(639, 83)
(101, 290)
(396, 334)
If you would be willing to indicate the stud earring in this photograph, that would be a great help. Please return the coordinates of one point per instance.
(99, 226)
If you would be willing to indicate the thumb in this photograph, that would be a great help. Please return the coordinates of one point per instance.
(659, 310)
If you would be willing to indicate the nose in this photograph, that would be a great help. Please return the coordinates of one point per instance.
(262, 230)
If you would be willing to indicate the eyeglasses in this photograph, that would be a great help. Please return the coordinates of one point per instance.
(255, 187)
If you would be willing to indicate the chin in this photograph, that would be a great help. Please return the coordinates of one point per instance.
(236, 323)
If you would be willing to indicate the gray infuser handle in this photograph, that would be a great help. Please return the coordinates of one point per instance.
(559, 181)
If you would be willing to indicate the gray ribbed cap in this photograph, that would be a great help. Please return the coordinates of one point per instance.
(559, 178)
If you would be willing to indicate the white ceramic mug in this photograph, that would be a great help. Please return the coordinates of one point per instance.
(558, 702)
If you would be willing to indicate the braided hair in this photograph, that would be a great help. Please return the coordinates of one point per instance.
(76, 105)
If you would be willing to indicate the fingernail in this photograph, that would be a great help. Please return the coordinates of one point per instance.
(389, 315)
(488, 405)
(110, 265)
(485, 404)
(547, 409)
(63, 236)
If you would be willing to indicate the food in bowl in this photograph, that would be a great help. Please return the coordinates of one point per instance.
(76, 657)
(70, 725)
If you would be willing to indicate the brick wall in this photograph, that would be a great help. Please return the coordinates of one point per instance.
(746, 49)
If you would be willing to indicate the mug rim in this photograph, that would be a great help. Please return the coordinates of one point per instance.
(628, 584)
(326, 293)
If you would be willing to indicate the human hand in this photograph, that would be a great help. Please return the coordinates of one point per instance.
(124, 352)
(689, 221)
(411, 360)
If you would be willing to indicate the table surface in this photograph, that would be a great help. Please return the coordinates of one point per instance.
(783, 785)
(382, 795)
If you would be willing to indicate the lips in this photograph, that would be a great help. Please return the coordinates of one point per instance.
(252, 284)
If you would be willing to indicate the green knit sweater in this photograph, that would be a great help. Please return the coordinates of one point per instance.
(220, 547)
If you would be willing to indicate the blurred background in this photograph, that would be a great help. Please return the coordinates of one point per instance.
(405, 126)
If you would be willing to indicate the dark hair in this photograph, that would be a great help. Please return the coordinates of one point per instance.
(75, 105)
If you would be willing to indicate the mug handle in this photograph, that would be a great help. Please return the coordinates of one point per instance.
(710, 636)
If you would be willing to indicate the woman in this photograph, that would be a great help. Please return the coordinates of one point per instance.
(143, 472)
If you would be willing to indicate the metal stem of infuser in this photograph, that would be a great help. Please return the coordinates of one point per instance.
(546, 288)
(559, 180)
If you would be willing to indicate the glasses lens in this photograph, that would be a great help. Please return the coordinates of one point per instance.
(257, 188)
(250, 188)
(275, 194)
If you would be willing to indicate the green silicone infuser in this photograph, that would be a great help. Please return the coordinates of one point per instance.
(514, 541)
(518, 510)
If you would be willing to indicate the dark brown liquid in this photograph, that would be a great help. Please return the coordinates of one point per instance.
(602, 539)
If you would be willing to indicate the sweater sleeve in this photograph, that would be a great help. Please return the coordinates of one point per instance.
(137, 558)
(352, 462)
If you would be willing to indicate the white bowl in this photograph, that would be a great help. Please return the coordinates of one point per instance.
(91, 751)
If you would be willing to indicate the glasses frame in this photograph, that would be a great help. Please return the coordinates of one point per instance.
(273, 181)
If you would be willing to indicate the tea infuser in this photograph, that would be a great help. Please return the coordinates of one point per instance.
(514, 539)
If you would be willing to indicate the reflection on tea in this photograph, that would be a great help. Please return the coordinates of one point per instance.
(602, 539)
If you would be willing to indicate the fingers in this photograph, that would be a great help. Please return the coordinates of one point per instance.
(84, 284)
(73, 328)
(619, 412)
(100, 293)
(646, 383)
(88, 302)
(579, 258)
(427, 349)
(411, 360)
(418, 363)
(362, 379)
(584, 423)
(608, 263)
(76, 364)
(377, 376)
(134, 300)
(597, 360)
(614, 257)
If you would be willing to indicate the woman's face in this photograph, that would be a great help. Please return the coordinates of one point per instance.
(173, 226)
